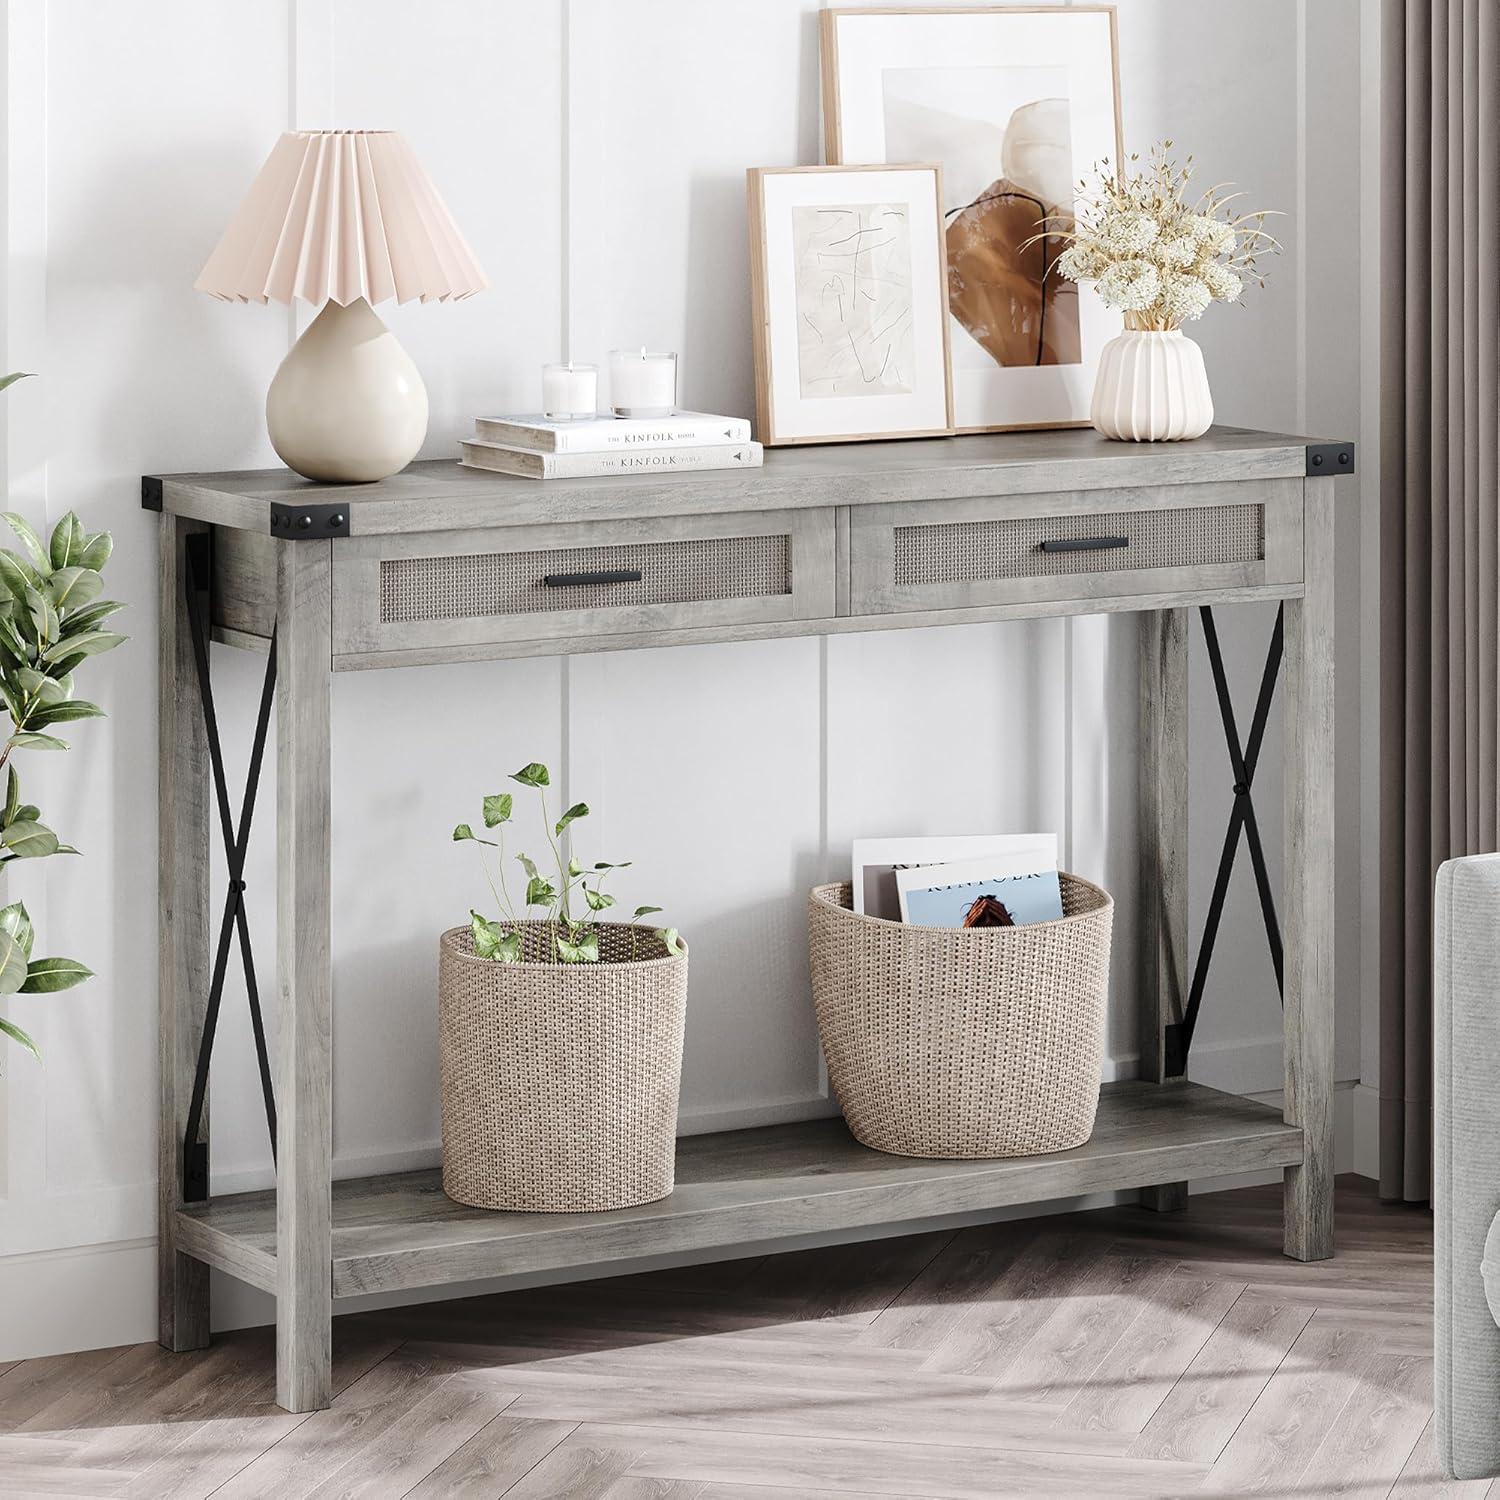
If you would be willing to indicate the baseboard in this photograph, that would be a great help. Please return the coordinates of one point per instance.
(1366, 1156)
(86, 1297)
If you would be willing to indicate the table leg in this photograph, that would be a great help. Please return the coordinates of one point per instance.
(183, 942)
(1309, 884)
(1162, 888)
(304, 1165)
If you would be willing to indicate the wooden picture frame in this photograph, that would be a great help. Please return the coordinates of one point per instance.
(893, 380)
(1000, 302)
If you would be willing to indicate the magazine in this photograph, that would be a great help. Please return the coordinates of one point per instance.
(877, 862)
(978, 893)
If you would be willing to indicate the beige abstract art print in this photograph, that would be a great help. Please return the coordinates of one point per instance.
(1016, 104)
(850, 310)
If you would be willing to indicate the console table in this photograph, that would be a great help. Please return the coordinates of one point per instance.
(443, 564)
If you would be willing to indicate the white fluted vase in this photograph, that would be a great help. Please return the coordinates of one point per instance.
(1152, 388)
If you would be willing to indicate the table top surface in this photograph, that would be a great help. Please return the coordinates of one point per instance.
(441, 494)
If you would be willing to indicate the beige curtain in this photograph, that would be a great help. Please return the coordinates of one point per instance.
(1440, 572)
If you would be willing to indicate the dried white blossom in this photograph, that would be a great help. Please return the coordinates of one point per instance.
(1214, 235)
(1127, 234)
(1081, 262)
(1130, 285)
(1183, 298)
(1180, 251)
(1222, 283)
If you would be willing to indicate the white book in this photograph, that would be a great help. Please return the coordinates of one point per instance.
(683, 429)
(529, 465)
(940, 895)
(877, 862)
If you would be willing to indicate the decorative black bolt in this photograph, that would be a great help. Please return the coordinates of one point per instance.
(304, 522)
(1317, 460)
(337, 520)
(1343, 458)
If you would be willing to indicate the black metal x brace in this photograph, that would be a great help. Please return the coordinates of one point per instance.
(236, 841)
(1179, 1036)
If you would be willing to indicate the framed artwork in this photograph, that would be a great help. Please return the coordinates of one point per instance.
(1016, 105)
(849, 299)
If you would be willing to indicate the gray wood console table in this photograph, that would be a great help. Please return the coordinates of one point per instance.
(444, 564)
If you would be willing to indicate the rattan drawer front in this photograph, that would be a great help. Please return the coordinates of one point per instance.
(455, 590)
(972, 551)
(514, 583)
(1033, 549)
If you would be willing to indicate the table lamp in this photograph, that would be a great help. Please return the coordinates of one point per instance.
(343, 219)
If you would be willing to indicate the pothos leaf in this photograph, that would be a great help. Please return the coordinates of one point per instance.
(540, 892)
(597, 900)
(533, 775)
(578, 810)
(497, 809)
(644, 911)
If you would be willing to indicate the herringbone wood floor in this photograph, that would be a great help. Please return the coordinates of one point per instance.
(1111, 1353)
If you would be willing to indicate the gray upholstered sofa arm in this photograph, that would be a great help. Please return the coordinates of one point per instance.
(1466, 1193)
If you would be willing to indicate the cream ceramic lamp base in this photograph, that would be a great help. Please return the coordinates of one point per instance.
(347, 405)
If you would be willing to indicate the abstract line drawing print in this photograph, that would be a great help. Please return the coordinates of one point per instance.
(854, 299)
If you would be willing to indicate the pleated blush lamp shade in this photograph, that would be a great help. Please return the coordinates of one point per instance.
(343, 219)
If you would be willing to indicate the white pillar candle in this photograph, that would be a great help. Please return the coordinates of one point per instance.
(642, 384)
(570, 390)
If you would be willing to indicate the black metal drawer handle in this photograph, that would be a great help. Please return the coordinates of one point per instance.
(1084, 543)
(604, 575)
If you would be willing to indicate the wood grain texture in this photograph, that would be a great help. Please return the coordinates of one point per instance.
(183, 932)
(1308, 791)
(730, 1383)
(304, 1165)
(439, 494)
(754, 1186)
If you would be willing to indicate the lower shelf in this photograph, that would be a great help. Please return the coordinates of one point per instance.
(745, 1187)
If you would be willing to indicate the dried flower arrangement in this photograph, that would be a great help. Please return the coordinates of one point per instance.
(1154, 256)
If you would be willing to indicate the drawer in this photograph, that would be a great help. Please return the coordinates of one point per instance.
(581, 581)
(999, 550)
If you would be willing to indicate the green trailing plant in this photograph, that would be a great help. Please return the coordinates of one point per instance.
(51, 621)
(571, 902)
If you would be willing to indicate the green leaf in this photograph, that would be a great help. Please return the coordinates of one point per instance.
(15, 941)
(46, 976)
(44, 616)
(462, 832)
(527, 864)
(583, 951)
(15, 921)
(644, 911)
(73, 588)
(540, 892)
(488, 936)
(63, 713)
(497, 808)
(90, 615)
(6, 381)
(673, 939)
(90, 643)
(13, 640)
(15, 1033)
(597, 900)
(27, 813)
(12, 798)
(604, 864)
(27, 740)
(96, 550)
(574, 868)
(15, 575)
(31, 541)
(578, 810)
(28, 840)
(67, 543)
(533, 775)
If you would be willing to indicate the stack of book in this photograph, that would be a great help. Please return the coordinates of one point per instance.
(578, 447)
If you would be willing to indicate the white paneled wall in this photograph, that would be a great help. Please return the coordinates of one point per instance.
(594, 152)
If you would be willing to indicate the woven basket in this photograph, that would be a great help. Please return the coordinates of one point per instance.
(560, 1080)
(954, 1042)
